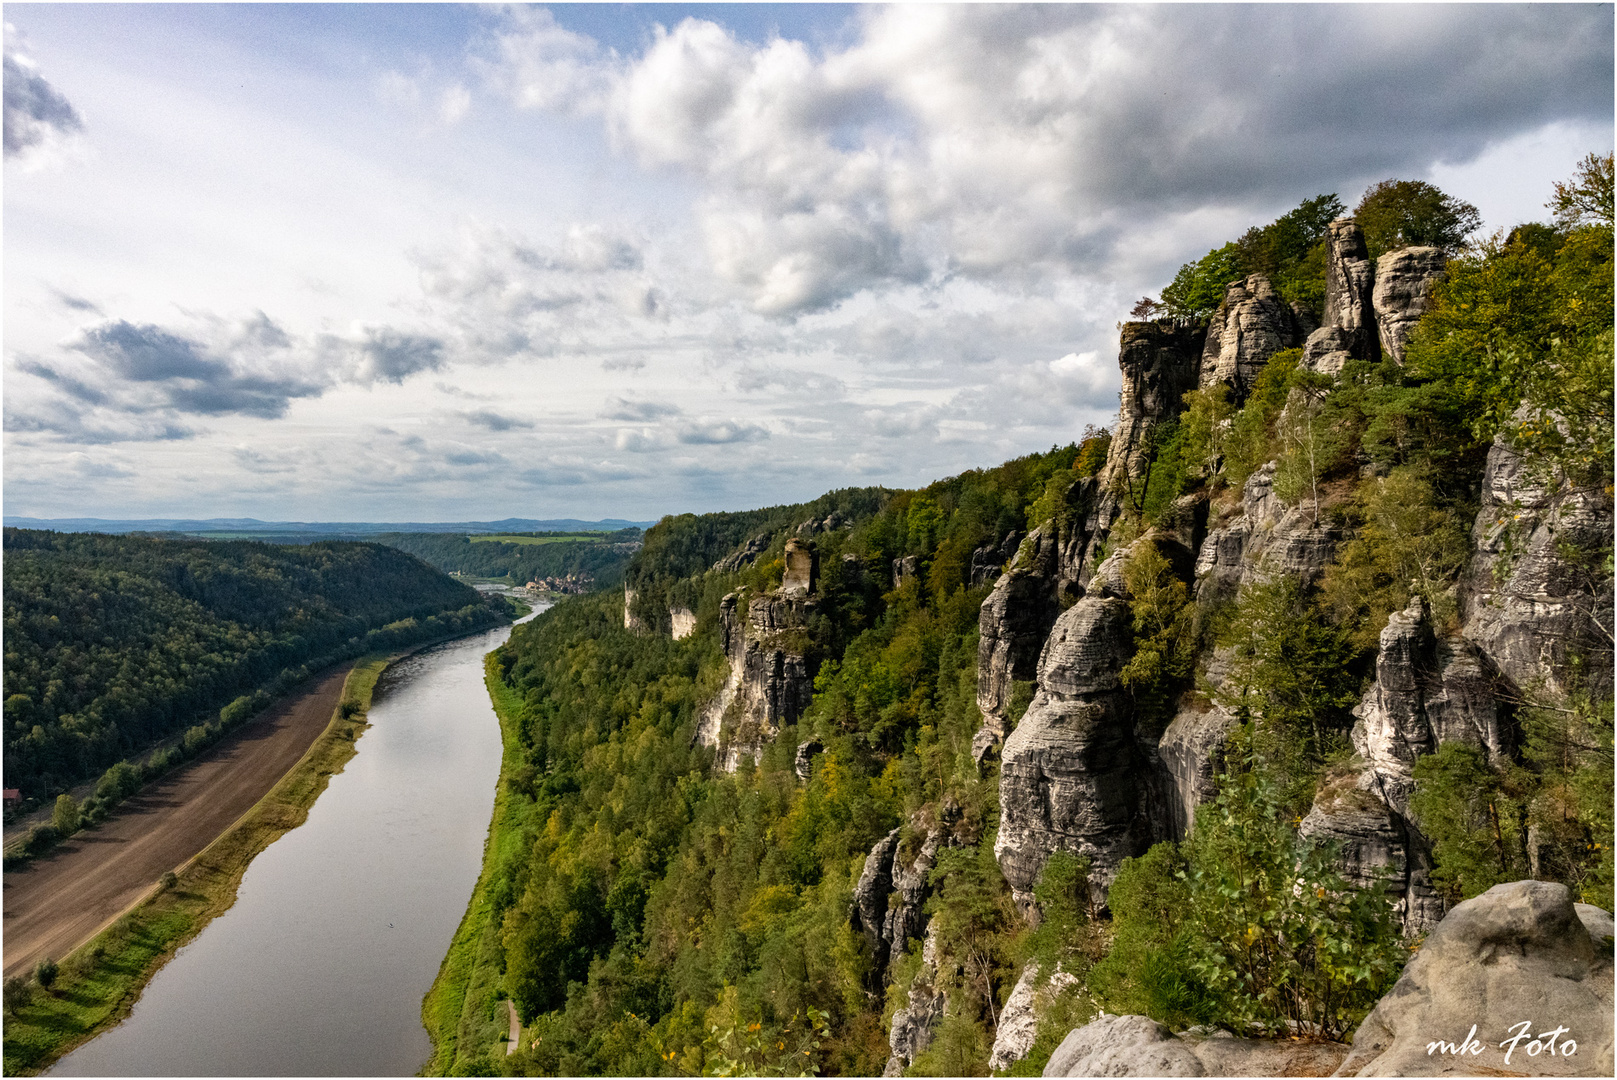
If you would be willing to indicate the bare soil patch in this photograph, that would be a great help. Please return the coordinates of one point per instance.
(56, 903)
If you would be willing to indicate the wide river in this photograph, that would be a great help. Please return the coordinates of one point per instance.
(320, 966)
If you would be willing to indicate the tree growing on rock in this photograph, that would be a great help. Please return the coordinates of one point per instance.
(1412, 213)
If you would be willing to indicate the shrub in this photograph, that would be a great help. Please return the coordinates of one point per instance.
(45, 972)
(18, 993)
(65, 816)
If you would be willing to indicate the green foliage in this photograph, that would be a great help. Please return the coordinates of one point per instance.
(1164, 638)
(735, 1047)
(1166, 478)
(1292, 673)
(1250, 440)
(65, 815)
(1473, 815)
(113, 643)
(18, 993)
(1273, 932)
(1412, 213)
(45, 972)
(1586, 199)
(1289, 251)
(1405, 543)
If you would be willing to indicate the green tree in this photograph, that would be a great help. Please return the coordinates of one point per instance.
(1413, 213)
(1586, 199)
(1474, 816)
(17, 993)
(65, 815)
(1199, 287)
(45, 972)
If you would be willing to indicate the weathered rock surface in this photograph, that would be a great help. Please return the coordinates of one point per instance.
(987, 561)
(1139, 1046)
(1250, 325)
(1266, 539)
(915, 1023)
(803, 763)
(1402, 293)
(889, 902)
(1159, 364)
(1191, 754)
(1350, 289)
(769, 683)
(1069, 778)
(905, 569)
(630, 621)
(682, 621)
(746, 555)
(1527, 606)
(802, 571)
(1019, 1019)
(1012, 625)
(832, 522)
(1326, 350)
(1519, 954)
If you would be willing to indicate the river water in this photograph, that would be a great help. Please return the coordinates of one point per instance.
(320, 966)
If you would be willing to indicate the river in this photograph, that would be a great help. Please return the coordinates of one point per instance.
(320, 966)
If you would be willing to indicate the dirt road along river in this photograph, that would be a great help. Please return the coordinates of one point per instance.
(55, 904)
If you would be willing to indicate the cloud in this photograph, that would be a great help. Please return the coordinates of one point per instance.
(494, 421)
(181, 372)
(383, 354)
(1006, 143)
(622, 409)
(719, 432)
(36, 113)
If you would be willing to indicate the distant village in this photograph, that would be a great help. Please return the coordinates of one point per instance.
(572, 584)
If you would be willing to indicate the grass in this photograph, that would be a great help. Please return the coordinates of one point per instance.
(100, 982)
(461, 1011)
(556, 538)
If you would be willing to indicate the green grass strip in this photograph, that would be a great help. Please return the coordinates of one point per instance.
(461, 1011)
(100, 982)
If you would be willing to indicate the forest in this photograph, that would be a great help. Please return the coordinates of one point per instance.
(113, 643)
(656, 915)
(602, 558)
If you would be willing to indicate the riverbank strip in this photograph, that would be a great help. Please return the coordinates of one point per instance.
(462, 1010)
(101, 980)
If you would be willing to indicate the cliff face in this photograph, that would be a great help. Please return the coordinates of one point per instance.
(1082, 773)
(770, 683)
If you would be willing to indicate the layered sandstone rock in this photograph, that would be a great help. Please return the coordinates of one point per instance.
(1349, 289)
(1402, 293)
(1249, 326)
(769, 683)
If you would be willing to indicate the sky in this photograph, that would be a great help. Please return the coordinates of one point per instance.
(439, 263)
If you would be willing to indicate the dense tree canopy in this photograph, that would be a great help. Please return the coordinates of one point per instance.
(114, 642)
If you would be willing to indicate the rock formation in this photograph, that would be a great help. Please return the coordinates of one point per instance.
(802, 569)
(630, 621)
(889, 902)
(1249, 326)
(1531, 602)
(1349, 288)
(1519, 959)
(745, 555)
(769, 682)
(1019, 1019)
(1069, 777)
(925, 1003)
(1012, 625)
(683, 622)
(1139, 1046)
(1159, 364)
(906, 568)
(1403, 285)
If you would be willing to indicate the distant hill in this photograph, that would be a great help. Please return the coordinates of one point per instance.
(296, 532)
(113, 643)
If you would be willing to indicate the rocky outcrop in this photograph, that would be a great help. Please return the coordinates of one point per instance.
(925, 1004)
(1250, 325)
(683, 622)
(745, 555)
(889, 902)
(1070, 774)
(1535, 595)
(1263, 540)
(1519, 960)
(1139, 1046)
(987, 561)
(1190, 753)
(1012, 625)
(769, 683)
(1402, 292)
(802, 571)
(1349, 289)
(630, 620)
(832, 522)
(1019, 1019)
(905, 568)
(803, 763)
(1159, 363)
(1326, 351)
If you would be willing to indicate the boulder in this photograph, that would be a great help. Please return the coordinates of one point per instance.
(907, 568)
(1250, 325)
(1159, 364)
(1402, 293)
(1511, 982)
(1139, 1046)
(1326, 350)
(746, 555)
(1349, 289)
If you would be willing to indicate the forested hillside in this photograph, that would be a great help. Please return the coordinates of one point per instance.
(1209, 718)
(601, 558)
(113, 642)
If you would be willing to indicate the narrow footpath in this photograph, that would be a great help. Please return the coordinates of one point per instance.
(55, 904)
